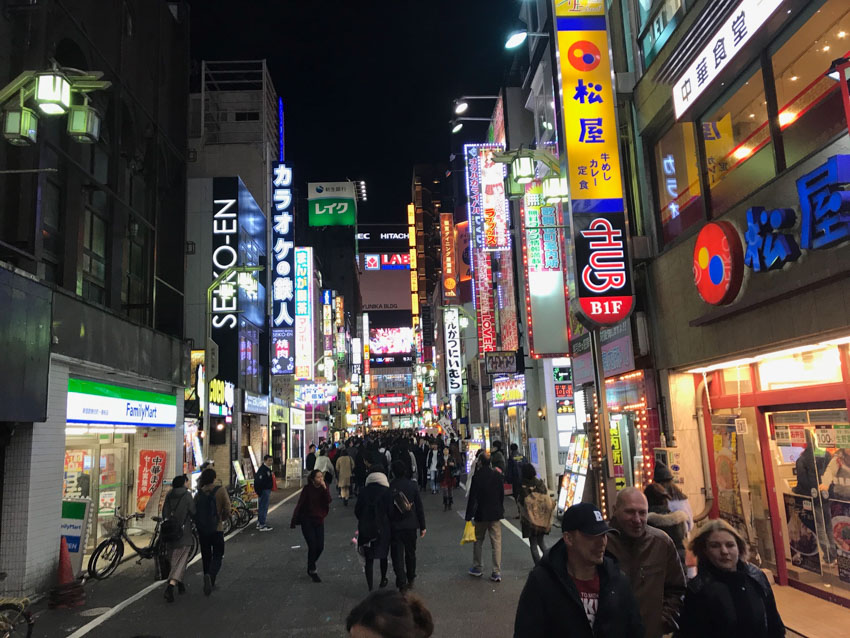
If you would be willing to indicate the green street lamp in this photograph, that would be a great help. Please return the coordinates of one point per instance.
(20, 125)
(522, 169)
(556, 189)
(52, 92)
(84, 123)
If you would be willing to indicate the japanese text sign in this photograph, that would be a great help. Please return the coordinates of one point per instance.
(283, 255)
(332, 204)
(598, 219)
(149, 476)
(509, 391)
(738, 29)
(447, 236)
(454, 364)
(303, 313)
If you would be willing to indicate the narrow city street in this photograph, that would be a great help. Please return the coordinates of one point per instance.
(264, 590)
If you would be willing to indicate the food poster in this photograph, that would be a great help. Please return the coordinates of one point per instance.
(802, 532)
(151, 470)
(77, 477)
(840, 524)
(729, 502)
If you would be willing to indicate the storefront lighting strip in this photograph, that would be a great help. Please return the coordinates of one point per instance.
(737, 363)
(77, 430)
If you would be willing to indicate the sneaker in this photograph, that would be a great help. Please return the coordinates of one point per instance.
(265, 528)
(475, 571)
(315, 577)
(496, 577)
(208, 585)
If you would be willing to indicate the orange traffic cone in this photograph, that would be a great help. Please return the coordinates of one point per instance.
(69, 592)
(66, 572)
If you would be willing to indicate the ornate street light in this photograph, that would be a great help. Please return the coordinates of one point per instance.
(52, 92)
(20, 125)
(84, 123)
(555, 189)
(522, 169)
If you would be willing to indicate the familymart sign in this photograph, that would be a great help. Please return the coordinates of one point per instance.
(91, 402)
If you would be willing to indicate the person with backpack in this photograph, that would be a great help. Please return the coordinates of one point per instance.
(513, 475)
(263, 483)
(212, 506)
(373, 524)
(406, 516)
(531, 485)
(176, 532)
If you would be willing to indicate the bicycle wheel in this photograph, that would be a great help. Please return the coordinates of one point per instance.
(243, 516)
(196, 544)
(227, 524)
(106, 558)
(13, 622)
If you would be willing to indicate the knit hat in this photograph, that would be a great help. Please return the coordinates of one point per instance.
(662, 473)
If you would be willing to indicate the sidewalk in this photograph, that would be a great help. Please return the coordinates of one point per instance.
(810, 616)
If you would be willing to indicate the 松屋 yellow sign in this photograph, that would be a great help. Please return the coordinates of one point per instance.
(579, 7)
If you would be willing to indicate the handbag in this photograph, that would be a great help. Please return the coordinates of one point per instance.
(468, 533)
(537, 509)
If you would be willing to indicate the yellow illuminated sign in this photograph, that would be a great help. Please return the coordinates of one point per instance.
(568, 8)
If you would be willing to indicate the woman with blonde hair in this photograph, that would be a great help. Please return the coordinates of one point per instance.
(729, 597)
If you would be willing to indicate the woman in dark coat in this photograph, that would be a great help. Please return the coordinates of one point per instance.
(530, 483)
(310, 512)
(373, 524)
(729, 597)
(179, 507)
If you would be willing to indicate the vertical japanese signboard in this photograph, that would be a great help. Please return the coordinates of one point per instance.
(454, 365)
(479, 162)
(149, 476)
(303, 313)
(283, 256)
(546, 295)
(603, 272)
(332, 204)
(447, 236)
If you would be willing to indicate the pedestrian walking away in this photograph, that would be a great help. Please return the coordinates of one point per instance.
(176, 533)
(447, 479)
(212, 506)
(390, 614)
(577, 591)
(674, 524)
(650, 562)
(729, 597)
(497, 458)
(485, 506)
(373, 525)
(310, 513)
(344, 472)
(263, 483)
(407, 515)
(513, 474)
(324, 465)
(310, 462)
(434, 464)
(534, 533)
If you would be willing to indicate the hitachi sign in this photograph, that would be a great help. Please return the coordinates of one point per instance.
(384, 236)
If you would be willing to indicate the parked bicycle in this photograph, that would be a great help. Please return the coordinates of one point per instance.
(240, 512)
(109, 553)
(15, 620)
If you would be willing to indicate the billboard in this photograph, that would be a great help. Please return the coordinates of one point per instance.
(391, 341)
(508, 391)
(385, 290)
(454, 363)
(283, 264)
(304, 355)
(598, 218)
(332, 203)
(464, 255)
(447, 237)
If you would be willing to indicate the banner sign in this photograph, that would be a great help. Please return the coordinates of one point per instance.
(500, 362)
(493, 202)
(304, 313)
(508, 391)
(283, 251)
(92, 402)
(316, 393)
(447, 236)
(454, 363)
(149, 476)
(332, 203)
(598, 219)
(464, 256)
(73, 527)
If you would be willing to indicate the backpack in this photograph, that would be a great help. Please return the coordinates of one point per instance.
(538, 509)
(401, 503)
(206, 511)
(169, 530)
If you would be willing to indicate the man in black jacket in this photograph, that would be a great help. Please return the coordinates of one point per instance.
(576, 591)
(485, 505)
(263, 483)
(404, 522)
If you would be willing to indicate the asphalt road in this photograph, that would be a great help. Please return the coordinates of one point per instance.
(263, 588)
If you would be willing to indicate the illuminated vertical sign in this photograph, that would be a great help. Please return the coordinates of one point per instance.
(339, 311)
(225, 254)
(463, 253)
(546, 293)
(366, 377)
(283, 263)
(454, 364)
(598, 218)
(447, 235)
(493, 202)
(482, 275)
(304, 313)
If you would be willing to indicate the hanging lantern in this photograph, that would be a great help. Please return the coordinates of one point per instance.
(555, 189)
(20, 125)
(84, 123)
(52, 93)
(522, 169)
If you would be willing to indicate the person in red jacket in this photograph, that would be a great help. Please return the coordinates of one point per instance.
(310, 512)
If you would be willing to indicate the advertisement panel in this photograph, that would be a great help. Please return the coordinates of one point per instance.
(150, 473)
(391, 341)
(509, 390)
(304, 346)
(447, 237)
(385, 290)
(617, 353)
(283, 264)
(604, 287)
(464, 256)
(332, 203)
(546, 294)
(500, 362)
(454, 363)
(802, 532)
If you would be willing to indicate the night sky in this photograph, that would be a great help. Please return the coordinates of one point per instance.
(367, 84)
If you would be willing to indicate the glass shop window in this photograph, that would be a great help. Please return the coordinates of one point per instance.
(796, 369)
(677, 180)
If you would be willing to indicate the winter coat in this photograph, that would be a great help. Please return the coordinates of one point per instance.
(344, 470)
(497, 460)
(447, 478)
(313, 504)
(311, 461)
(415, 518)
(324, 465)
(514, 471)
(180, 506)
(430, 460)
(373, 509)
(674, 524)
(264, 479)
(654, 570)
(737, 604)
(809, 468)
(550, 604)
(485, 501)
(526, 488)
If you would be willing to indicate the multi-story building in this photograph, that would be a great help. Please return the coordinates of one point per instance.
(92, 243)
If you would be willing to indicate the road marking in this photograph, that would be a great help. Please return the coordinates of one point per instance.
(510, 526)
(85, 629)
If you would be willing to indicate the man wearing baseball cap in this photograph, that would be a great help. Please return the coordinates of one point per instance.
(576, 591)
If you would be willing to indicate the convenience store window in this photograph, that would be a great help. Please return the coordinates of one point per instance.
(679, 202)
(798, 369)
(810, 107)
(738, 146)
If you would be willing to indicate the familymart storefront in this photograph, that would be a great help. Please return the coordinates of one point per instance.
(121, 446)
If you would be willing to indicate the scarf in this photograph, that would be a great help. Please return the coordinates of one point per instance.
(377, 477)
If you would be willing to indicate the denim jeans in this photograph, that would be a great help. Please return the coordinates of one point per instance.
(212, 552)
(263, 506)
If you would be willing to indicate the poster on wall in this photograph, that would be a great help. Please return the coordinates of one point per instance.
(729, 500)
(151, 470)
(840, 511)
(802, 532)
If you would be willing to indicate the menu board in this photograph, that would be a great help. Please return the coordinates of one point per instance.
(575, 471)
